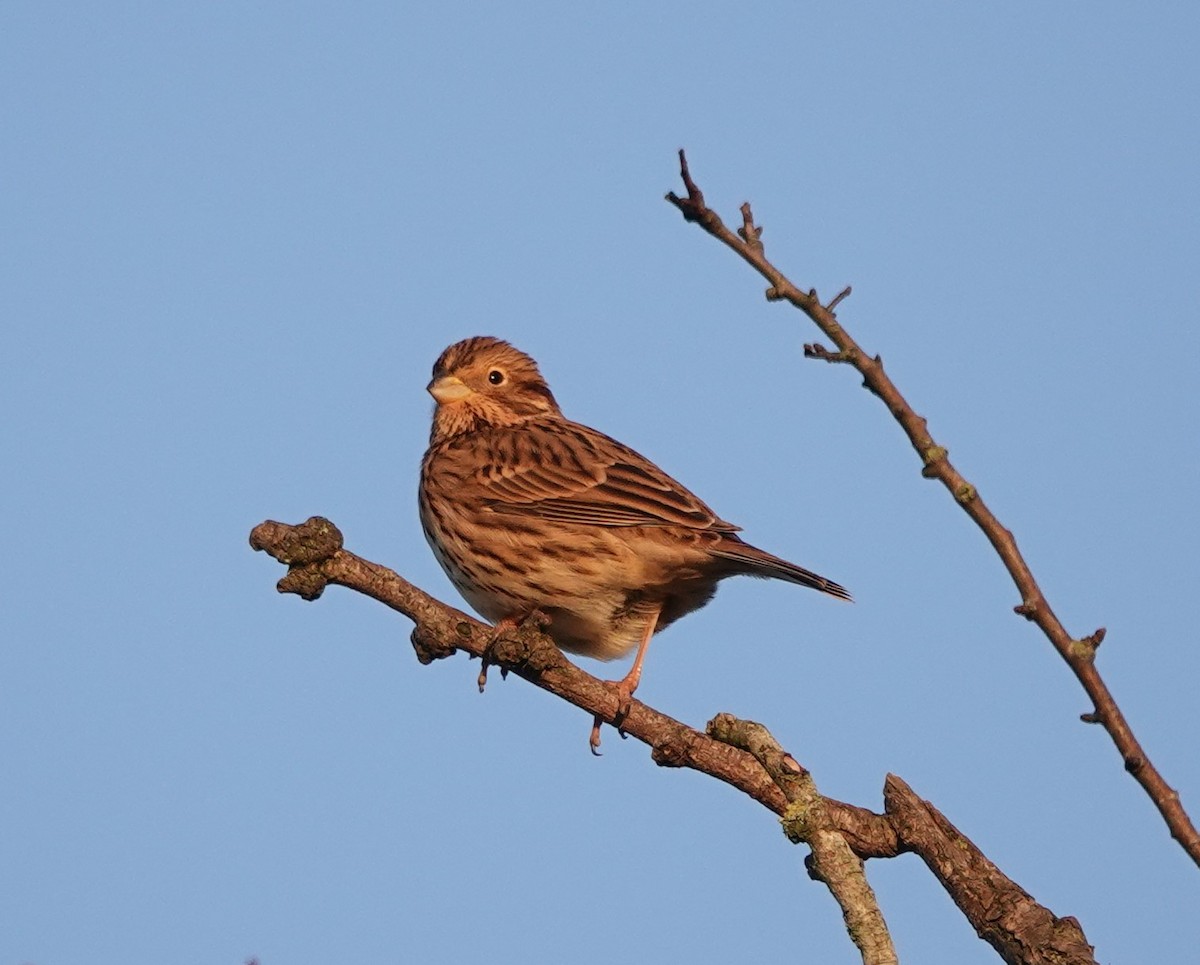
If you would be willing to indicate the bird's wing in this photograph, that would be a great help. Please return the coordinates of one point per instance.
(568, 473)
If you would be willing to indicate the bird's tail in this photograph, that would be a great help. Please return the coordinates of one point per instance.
(756, 562)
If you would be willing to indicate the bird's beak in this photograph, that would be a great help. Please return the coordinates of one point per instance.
(448, 388)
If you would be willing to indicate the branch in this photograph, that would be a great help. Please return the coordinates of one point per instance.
(1079, 654)
(315, 557)
(1002, 913)
(740, 753)
(806, 819)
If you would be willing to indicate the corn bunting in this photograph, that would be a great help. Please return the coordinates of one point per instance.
(527, 511)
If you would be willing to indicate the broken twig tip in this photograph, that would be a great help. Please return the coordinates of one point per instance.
(815, 350)
(692, 207)
(792, 766)
(838, 299)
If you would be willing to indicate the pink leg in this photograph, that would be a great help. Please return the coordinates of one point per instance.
(626, 685)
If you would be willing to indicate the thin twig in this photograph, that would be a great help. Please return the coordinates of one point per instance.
(1078, 654)
(837, 299)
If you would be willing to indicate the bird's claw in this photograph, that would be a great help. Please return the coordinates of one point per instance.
(624, 704)
(485, 658)
(484, 664)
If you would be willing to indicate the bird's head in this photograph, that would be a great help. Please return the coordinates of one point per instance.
(484, 381)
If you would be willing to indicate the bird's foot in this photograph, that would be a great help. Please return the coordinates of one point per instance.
(485, 660)
(534, 618)
(624, 689)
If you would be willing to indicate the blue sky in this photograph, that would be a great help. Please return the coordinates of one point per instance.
(236, 236)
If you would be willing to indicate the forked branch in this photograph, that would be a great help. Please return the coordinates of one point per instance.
(740, 753)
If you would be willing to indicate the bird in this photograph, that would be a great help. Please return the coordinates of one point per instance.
(528, 512)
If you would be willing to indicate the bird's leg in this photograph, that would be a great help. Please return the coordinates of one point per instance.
(626, 685)
(500, 628)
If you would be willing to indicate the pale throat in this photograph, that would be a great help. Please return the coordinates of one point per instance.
(455, 418)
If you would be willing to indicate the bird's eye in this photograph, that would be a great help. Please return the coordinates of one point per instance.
(496, 377)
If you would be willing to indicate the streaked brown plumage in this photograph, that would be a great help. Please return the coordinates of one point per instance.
(526, 510)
